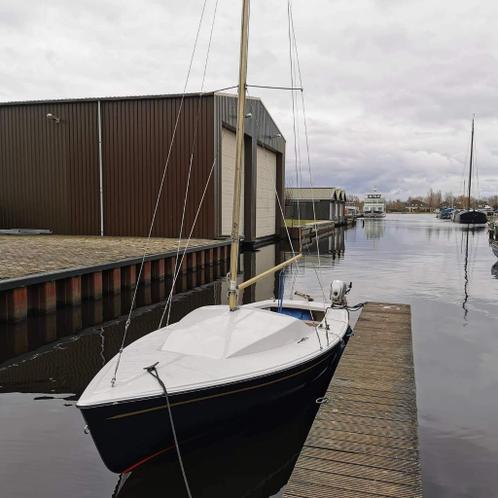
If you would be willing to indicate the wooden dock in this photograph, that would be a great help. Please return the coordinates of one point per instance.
(363, 443)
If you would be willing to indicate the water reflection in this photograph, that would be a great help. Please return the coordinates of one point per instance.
(55, 356)
(436, 266)
(465, 235)
(374, 229)
(254, 461)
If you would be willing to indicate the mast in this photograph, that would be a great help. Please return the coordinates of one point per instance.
(471, 161)
(239, 154)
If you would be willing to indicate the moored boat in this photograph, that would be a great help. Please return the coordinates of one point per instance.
(218, 363)
(470, 216)
(374, 205)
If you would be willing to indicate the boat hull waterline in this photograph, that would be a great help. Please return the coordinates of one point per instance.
(132, 432)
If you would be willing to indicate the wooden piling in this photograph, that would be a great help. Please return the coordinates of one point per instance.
(14, 305)
(69, 291)
(146, 273)
(92, 285)
(158, 269)
(112, 281)
(129, 276)
(43, 298)
(363, 443)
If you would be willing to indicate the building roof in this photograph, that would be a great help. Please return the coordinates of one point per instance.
(221, 92)
(316, 194)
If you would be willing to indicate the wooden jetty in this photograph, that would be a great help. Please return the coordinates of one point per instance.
(363, 443)
(40, 273)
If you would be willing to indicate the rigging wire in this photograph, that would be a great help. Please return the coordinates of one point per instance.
(192, 149)
(294, 125)
(306, 134)
(296, 151)
(158, 198)
(291, 245)
(296, 67)
(270, 87)
(187, 244)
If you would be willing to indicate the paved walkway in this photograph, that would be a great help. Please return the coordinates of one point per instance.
(22, 255)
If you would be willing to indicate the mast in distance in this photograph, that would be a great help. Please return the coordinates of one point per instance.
(471, 161)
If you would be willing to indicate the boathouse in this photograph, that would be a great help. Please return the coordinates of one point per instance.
(94, 166)
(329, 203)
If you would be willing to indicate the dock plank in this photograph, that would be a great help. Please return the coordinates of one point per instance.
(364, 443)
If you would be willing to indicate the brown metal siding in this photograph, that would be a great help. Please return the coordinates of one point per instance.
(48, 171)
(136, 137)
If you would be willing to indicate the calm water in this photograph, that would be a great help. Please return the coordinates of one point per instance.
(445, 273)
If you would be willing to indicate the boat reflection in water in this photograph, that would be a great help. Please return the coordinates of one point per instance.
(467, 249)
(374, 228)
(465, 244)
(255, 461)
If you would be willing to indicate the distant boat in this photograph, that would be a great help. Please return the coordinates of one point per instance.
(470, 216)
(374, 205)
(445, 213)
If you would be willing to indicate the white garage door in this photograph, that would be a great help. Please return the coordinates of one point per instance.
(227, 176)
(265, 196)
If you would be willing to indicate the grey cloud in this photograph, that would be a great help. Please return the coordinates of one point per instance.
(390, 86)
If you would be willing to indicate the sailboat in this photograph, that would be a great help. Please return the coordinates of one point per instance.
(470, 216)
(219, 362)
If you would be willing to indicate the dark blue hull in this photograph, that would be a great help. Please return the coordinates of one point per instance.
(129, 433)
(471, 217)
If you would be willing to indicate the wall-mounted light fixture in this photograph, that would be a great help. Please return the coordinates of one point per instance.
(54, 118)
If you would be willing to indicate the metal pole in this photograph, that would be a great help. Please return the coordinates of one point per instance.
(101, 176)
(239, 157)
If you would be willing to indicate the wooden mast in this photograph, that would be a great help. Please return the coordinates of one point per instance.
(471, 161)
(239, 155)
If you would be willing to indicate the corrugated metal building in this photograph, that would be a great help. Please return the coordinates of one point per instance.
(329, 203)
(92, 166)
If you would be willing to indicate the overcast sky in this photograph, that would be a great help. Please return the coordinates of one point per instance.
(390, 85)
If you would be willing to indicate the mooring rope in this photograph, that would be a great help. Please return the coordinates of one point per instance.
(153, 371)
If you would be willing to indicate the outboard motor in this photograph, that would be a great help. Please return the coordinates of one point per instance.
(338, 291)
